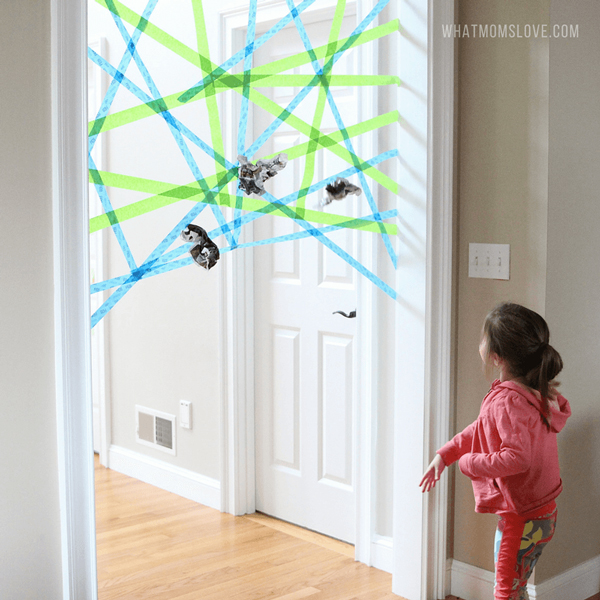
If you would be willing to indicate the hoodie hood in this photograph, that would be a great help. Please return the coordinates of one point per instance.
(558, 416)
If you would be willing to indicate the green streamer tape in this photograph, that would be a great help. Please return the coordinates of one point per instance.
(309, 168)
(185, 192)
(166, 194)
(211, 101)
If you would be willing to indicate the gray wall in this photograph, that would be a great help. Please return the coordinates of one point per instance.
(30, 554)
(162, 338)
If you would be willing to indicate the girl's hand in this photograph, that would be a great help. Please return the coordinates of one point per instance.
(432, 474)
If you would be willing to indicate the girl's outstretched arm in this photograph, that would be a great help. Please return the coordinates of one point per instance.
(432, 473)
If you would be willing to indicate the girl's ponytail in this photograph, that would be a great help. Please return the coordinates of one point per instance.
(541, 377)
(520, 337)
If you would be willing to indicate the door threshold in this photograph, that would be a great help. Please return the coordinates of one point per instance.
(301, 533)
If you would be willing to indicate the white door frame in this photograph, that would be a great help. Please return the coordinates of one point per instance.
(419, 565)
(424, 312)
(236, 358)
(441, 225)
(71, 298)
(237, 328)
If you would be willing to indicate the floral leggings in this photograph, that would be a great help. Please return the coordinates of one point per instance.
(518, 545)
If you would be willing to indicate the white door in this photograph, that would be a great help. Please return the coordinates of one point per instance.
(304, 354)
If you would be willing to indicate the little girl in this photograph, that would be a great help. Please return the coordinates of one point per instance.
(510, 451)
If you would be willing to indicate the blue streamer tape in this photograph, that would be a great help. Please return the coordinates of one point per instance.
(169, 261)
(334, 109)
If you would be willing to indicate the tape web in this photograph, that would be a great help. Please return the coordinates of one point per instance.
(133, 76)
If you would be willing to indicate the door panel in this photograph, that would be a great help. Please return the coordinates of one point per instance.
(285, 408)
(335, 403)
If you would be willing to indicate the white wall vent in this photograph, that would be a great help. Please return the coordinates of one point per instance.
(155, 429)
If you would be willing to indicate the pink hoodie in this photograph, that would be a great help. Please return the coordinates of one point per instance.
(508, 452)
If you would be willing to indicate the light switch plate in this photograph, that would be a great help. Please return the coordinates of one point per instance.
(185, 414)
(489, 261)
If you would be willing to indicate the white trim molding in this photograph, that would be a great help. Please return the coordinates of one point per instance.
(471, 582)
(425, 305)
(237, 386)
(369, 548)
(168, 477)
(236, 323)
(579, 583)
(71, 298)
(382, 553)
(440, 266)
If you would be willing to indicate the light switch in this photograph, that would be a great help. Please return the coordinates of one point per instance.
(185, 414)
(489, 261)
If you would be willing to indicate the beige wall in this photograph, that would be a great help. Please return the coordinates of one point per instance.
(502, 180)
(528, 176)
(573, 288)
(30, 553)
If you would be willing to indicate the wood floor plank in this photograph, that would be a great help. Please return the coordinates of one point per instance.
(154, 545)
(304, 593)
(304, 534)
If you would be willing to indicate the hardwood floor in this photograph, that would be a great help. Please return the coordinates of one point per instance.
(158, 546)
(155, 545)
(595, 597)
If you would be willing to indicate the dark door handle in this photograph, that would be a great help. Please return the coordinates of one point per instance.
(350, 315)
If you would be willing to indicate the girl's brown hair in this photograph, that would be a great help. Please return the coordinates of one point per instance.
(520, 337)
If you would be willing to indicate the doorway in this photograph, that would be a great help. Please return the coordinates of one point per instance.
(69, 28)
(266, 284)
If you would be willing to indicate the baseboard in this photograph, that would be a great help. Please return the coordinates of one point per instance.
(382, 553)
(185, 483)
(578, 583)
(472, 583)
